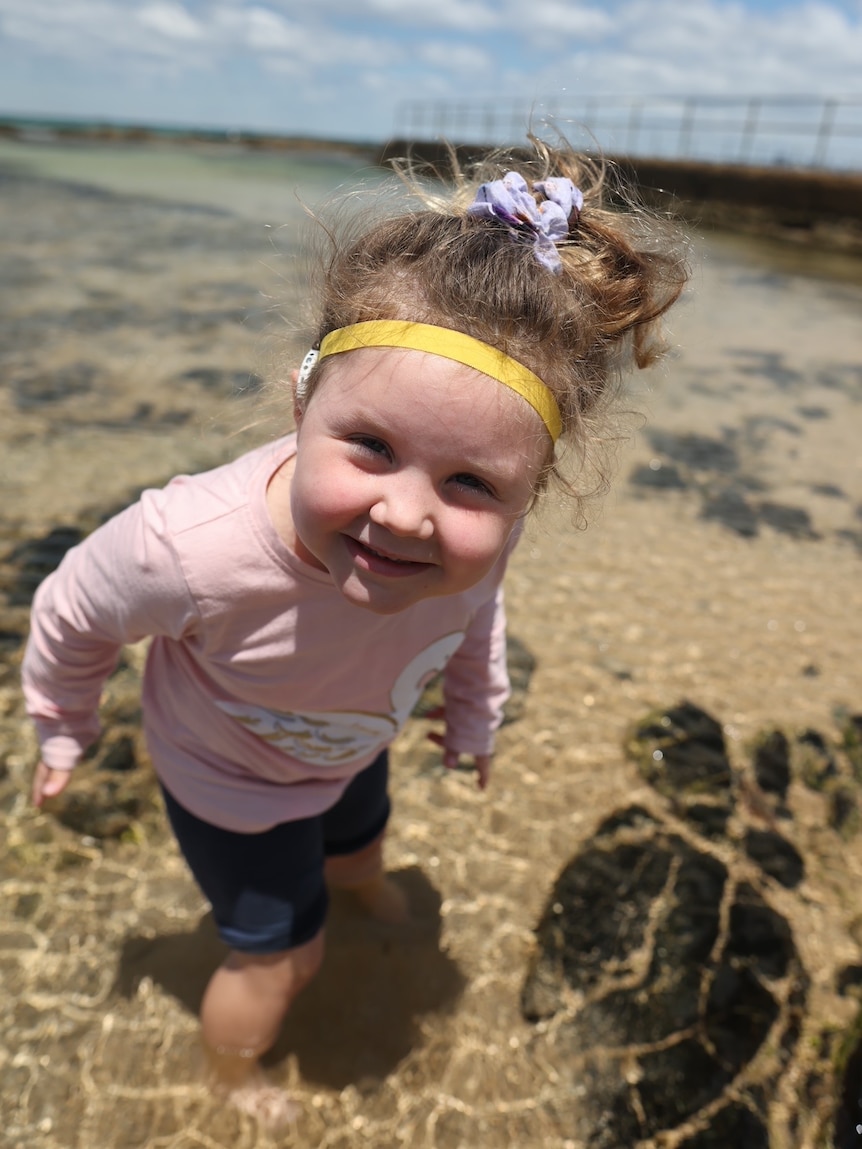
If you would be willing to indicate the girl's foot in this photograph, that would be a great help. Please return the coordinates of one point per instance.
(239, 1081)
(384, 900)
(267, 1103)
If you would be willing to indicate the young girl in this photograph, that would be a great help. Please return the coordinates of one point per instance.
(299, 598)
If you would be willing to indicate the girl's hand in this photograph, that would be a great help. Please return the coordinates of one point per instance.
(451, 758)
(48, 783)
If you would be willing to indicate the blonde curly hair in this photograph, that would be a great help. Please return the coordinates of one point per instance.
(579, 330)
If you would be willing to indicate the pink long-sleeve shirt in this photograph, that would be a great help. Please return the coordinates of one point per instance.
(265, 691)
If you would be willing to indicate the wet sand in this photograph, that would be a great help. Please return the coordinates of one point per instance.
(723, 568)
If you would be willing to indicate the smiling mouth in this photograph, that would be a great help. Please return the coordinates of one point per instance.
(383, 560)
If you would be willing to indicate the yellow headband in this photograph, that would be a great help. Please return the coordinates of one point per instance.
(451, 345)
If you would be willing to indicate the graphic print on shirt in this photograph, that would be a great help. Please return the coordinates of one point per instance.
(333, 737)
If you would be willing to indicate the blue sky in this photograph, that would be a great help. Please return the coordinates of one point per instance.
(340, 68)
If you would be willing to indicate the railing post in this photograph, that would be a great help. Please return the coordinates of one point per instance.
(589, 120)
(440, 118)
(517, 126)
(830, 128)
(824, 132)
(685, 129)
(634, 126)
(749, 130)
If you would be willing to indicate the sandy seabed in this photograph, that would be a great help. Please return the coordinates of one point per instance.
(724, 568)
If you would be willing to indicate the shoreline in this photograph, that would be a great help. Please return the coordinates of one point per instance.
(57, 132)
(803, 208)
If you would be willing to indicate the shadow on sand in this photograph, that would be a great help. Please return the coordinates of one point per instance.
(360, 1016)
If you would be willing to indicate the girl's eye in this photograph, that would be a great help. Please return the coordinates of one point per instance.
(367, 444)
(472, 483)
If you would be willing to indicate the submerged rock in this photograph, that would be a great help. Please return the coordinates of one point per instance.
(667, 985)
(681, 752)
(771, 762)
(814, 762)
(852, 744)
(848, 1121)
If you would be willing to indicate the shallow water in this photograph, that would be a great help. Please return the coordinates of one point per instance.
(144, 306)
(169, 243)
(263, 186)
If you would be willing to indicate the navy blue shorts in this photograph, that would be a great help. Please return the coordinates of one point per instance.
(267, 890)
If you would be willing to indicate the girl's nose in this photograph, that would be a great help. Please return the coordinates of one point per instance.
(403, 507)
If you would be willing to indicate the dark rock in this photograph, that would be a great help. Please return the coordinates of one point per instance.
(598, 912)
(793, 521)
(771, 761)
(673, 1003)
(851, 742)
(678, 1081)
(775, 856)
(711, 821)
(120, 755)
(843, 810)
(10, 640)
(666, 970)
(770, 365)
(26, 905)
(759, 935)
(852, 537)
(699, 452)
(632, 817)
(733, 1127)
(813, 761)
(224, 381)
(32, 560)
(681, 752)
(520, 664)
(849, 978)
(53, 387)
(848, 1120)
(732, 510)
(664, 477)
(101, 810)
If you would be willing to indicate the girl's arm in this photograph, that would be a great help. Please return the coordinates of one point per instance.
(475, 689)
(120, 585)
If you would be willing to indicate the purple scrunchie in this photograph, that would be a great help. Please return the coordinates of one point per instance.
(509, 200)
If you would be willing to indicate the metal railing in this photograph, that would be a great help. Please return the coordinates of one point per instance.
(798, 131)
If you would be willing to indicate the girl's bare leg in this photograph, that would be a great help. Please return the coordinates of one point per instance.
(363, 874)
(242, 1011)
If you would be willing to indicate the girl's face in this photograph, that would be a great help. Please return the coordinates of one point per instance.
(411, 472)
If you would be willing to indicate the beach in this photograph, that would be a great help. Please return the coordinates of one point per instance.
(149, 304)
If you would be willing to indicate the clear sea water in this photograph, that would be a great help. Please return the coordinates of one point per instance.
(769, 329)
(267, 186)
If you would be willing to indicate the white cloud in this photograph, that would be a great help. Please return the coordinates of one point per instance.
(170, 20)
(101, 31)
(559, 19)
(266, 31)
(371, 54)
(707, 47)
(459, 15)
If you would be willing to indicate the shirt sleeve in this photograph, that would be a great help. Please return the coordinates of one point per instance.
(476, 682)
(121, 584)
